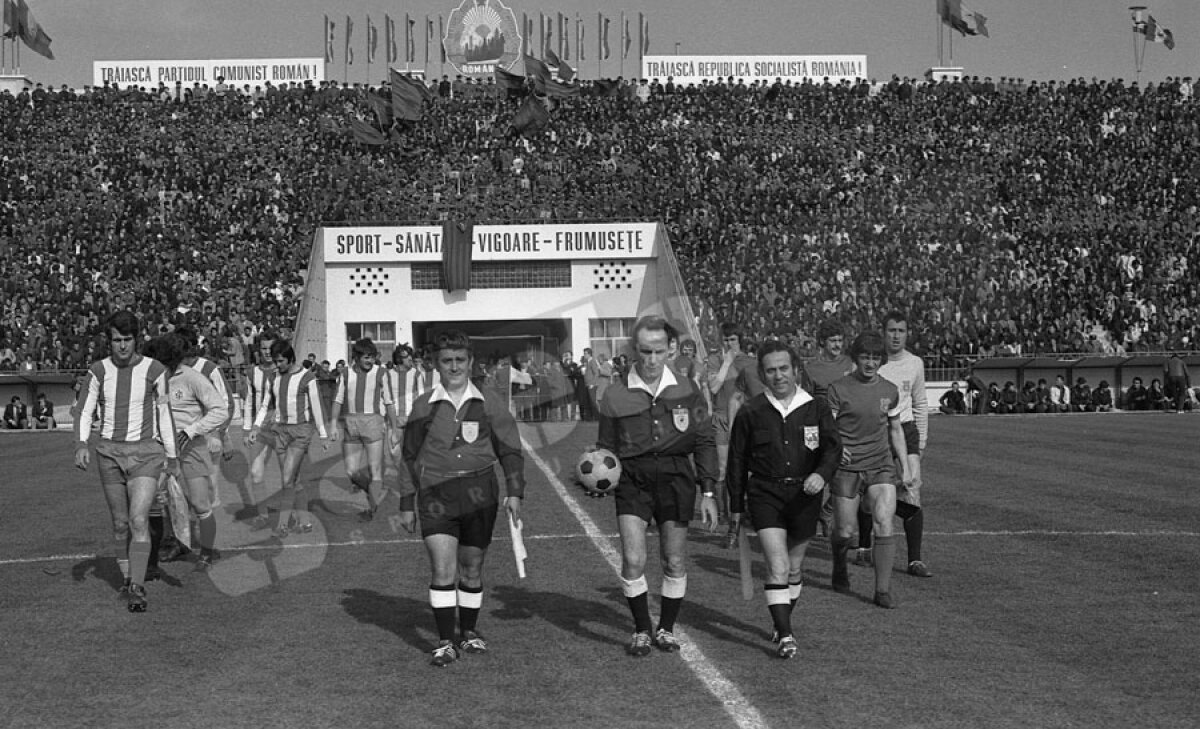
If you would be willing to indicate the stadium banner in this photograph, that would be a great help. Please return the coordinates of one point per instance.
(507, 243)
(684, 70)
(481, 36)
(236, 72)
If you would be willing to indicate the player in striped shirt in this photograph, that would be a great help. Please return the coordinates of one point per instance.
(296, 401)
(258, 393)
(136, 430)
(199, 410)
(402, 386)
(364, 395)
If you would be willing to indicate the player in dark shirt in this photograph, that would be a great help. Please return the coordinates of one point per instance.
(784, 448)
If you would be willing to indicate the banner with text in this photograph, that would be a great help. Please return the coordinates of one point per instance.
(423, 243)
(236, 72)
(684, 70)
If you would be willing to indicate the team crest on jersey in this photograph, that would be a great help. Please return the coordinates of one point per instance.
(681, 419)
(812, 437)
(884, 405)
(470, 430)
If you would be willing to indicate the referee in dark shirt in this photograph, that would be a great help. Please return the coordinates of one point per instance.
(783, 449)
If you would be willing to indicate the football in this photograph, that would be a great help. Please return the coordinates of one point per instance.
(598, 471)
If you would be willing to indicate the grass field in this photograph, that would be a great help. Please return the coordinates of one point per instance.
(1066, 552)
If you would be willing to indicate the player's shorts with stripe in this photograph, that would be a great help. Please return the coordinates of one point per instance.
(296, 436)
(464, 507)
(772, 504)
(119, 462)
(195, 461)
(365, 427)
(657, 488)
(852, 484)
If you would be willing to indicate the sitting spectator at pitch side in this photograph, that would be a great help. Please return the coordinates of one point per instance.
(1157, 396)
(1081, 396)
(952, 401)
(43, 413)
(1137, 397)
(16, 414)
(1042, 399)
(992, 398)
(1102, 397)
(1060, 396)
(1009, 399)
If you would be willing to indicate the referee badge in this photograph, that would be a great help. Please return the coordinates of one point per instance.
(812, 437)
(679, 416)
(470, 430)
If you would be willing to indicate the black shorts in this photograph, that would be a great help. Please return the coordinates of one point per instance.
(772, 505)
(657, 489)
(464, 507)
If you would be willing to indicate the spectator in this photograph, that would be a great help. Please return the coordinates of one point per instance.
(1137, 397)
(952, 401)
(1102, 397)
(43, 413)
(16, 415)
(1081, 397)
(1156, 396)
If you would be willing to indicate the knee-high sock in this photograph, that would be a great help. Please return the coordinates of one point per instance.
(208, 532)
(883, 555)
(914, 530)
(673, 590)
(444, 601)
(779, 604)
(865, 526)
(840, 547)
(156, 535)
(139, 556)
(636, 592)
(470, 601)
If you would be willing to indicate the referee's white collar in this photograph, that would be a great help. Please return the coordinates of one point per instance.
(800, 399)
(635, 381)
(439, 393)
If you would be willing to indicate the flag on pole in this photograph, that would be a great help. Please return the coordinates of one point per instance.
(410, 41)
(564, 46)
(1153, 31)
(626, 37)
(389, 33)
(21, 24)
(457, 238)
(372, 41)
(364, 133)
(605, 53)
(348, 53)
(408, 96)
(510, 81)
(580, 28)
(531, 116)
(552, 59)
(980, 24)
(541, 35)
(428, 37)
(950, 12)
(645, 32)
(329, 29)
(441, 39)
(11, 24)
(539, 72)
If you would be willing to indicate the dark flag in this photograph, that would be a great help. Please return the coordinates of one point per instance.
(552, 58)
(532, 116)
(408, 96)
(509, 81)
(364, 133)
(538, 71)
(382, 106)
(329, 28)
(348, 51)
(606, 87)
(389, 43)
(29, 31)
(561, 90)
(457, 236)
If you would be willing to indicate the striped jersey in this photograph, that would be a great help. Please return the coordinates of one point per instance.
(258, 391)
(364, 393)
(403, 390)
(127, 399)
(209, 369)
(296, 399)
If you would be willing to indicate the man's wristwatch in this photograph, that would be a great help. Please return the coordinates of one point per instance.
(709, 495)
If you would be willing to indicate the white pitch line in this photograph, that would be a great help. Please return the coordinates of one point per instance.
(735, 704)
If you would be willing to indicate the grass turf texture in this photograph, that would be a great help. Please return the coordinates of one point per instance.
(1065, 551)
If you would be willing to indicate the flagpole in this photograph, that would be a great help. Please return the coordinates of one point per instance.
(599, 43)
(622, 66)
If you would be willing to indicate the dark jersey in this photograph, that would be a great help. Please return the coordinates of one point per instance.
(861, 410)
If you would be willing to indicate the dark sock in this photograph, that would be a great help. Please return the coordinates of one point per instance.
(208, 533)
(156, 535)
(793, 589)
(914, 530)
(139, 557)
(781, 612)
(639, 605)
(840, 547)
(444, 602)
(468, 616)
(865, 526)
(883, 556)
(670, 612)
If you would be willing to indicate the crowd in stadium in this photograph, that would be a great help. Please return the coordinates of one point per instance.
(1006, 217)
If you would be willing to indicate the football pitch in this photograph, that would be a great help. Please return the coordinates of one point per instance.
(1066, 554)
